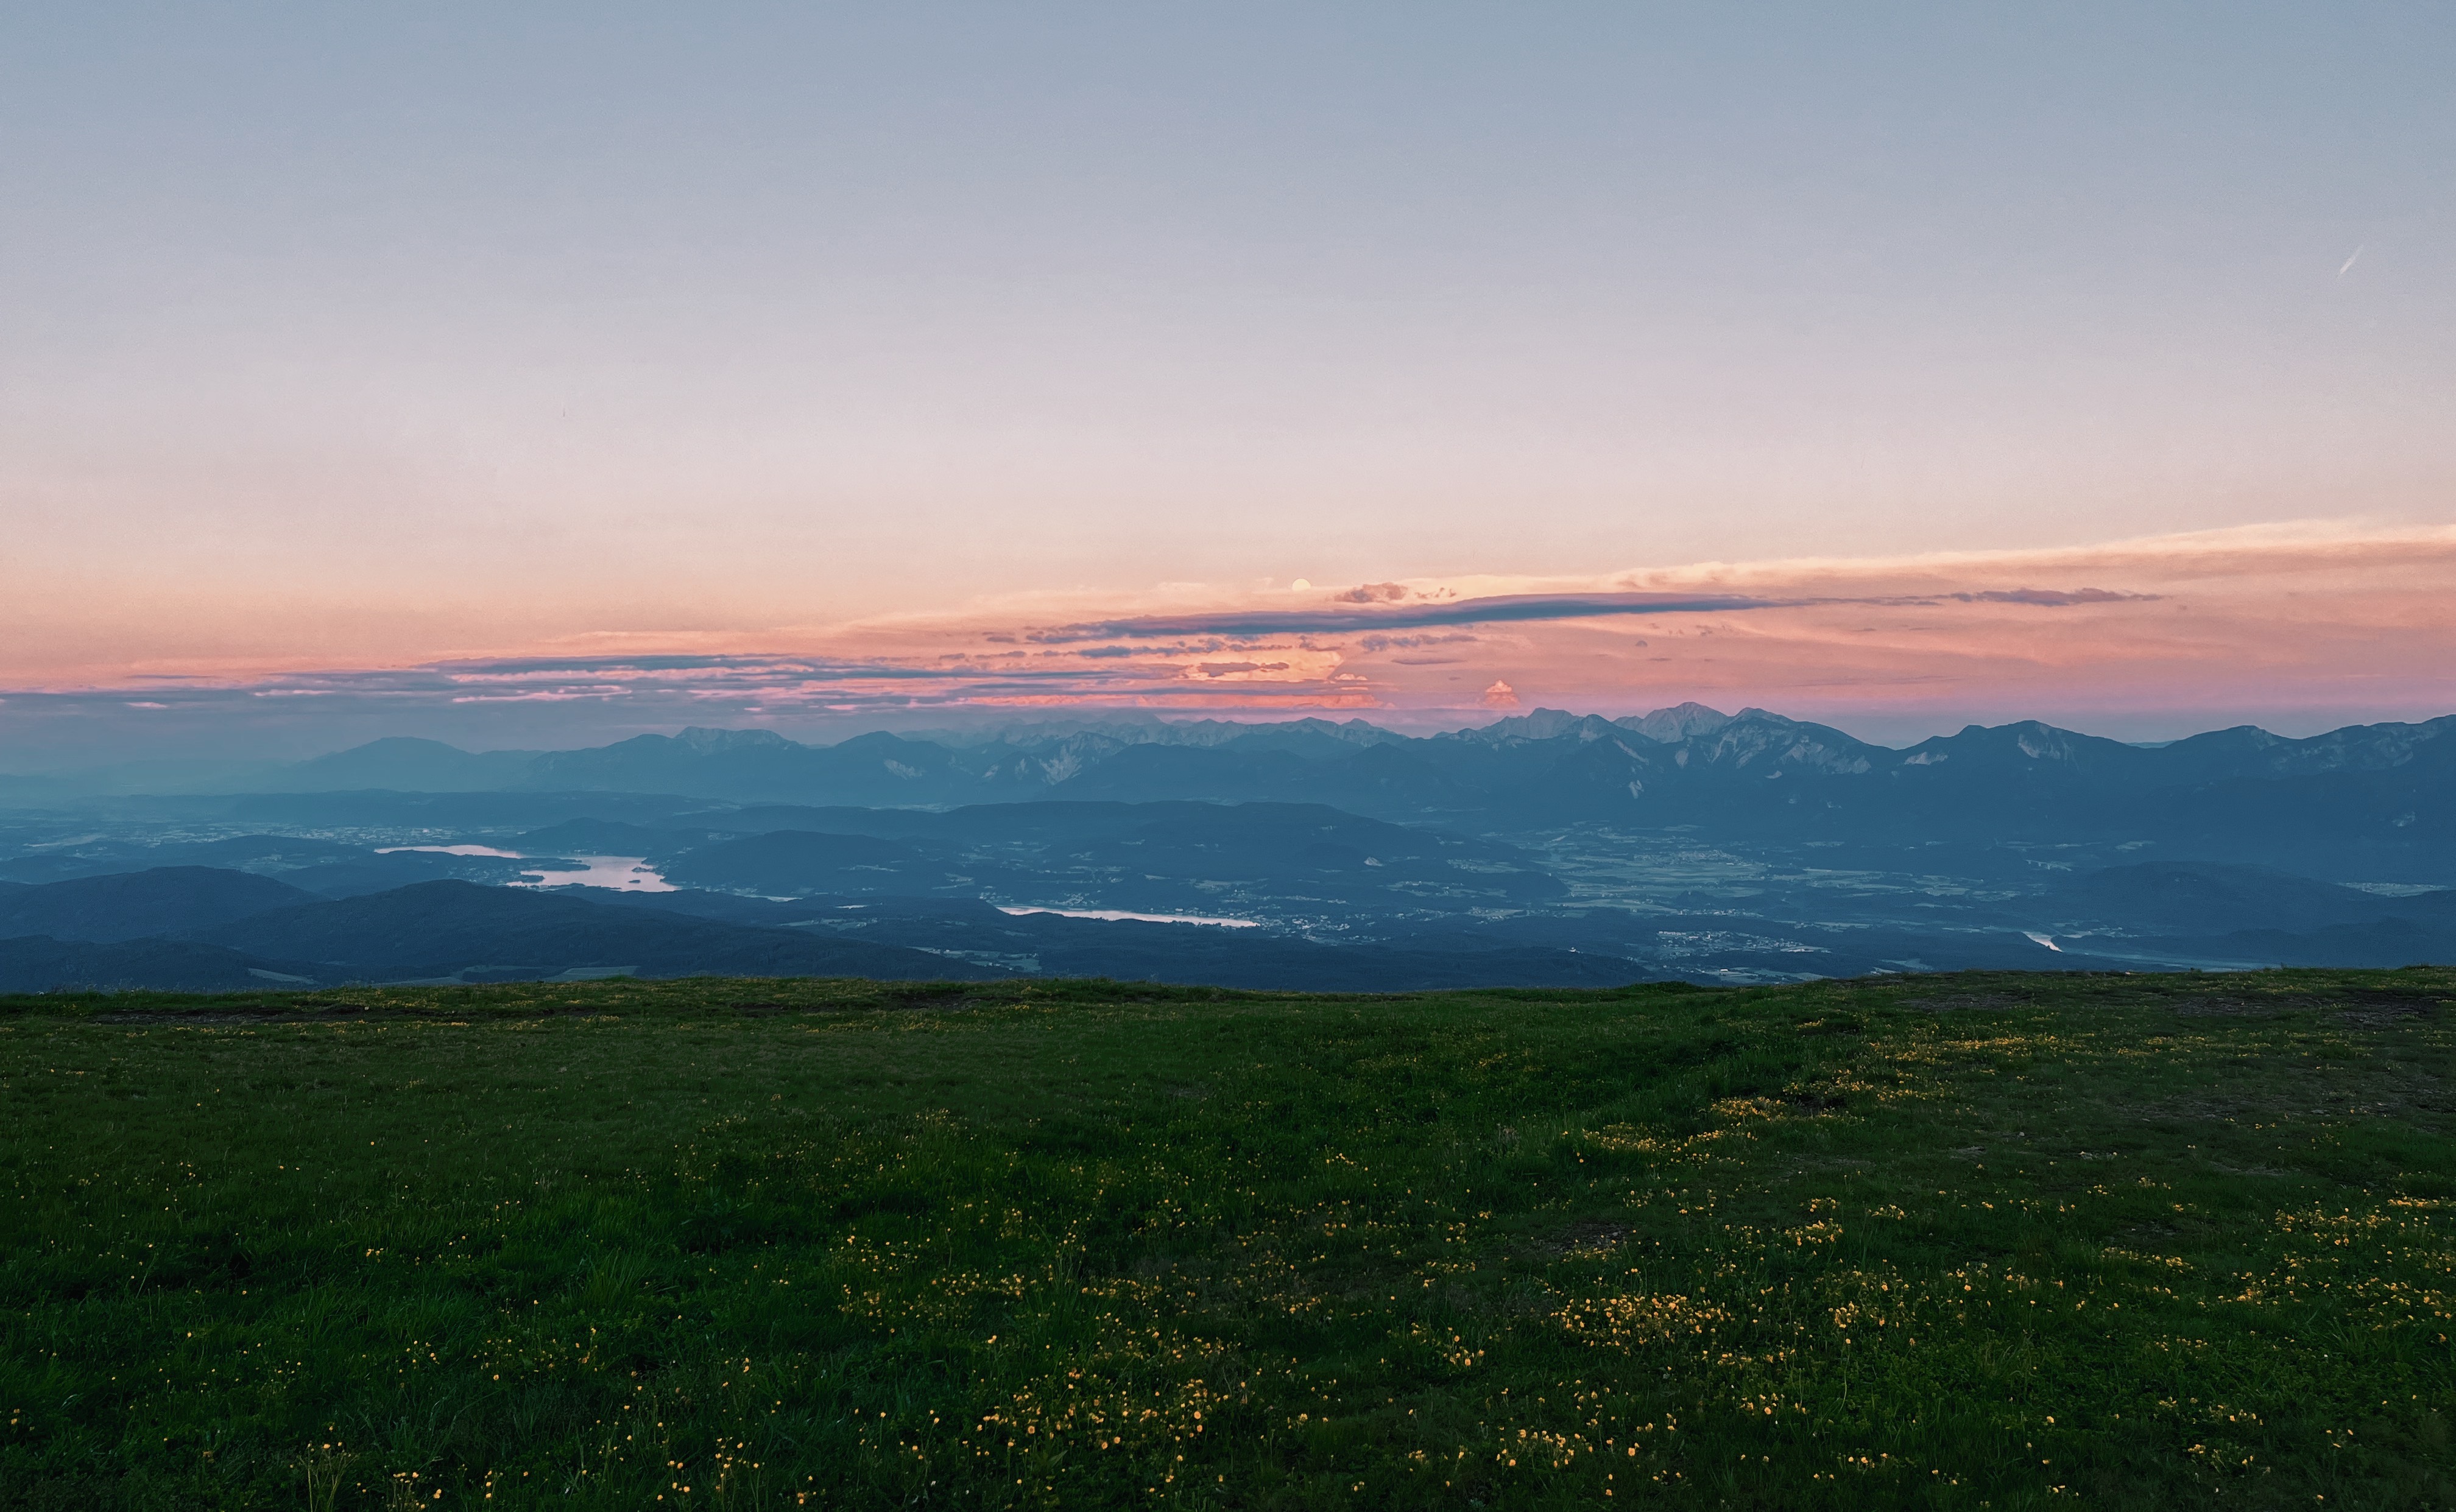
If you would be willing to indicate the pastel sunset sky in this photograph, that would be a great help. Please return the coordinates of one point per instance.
(543, 375)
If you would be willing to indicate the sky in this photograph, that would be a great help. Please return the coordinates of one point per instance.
(538, 375)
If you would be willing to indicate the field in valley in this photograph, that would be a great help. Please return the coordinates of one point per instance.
(2005, 1240)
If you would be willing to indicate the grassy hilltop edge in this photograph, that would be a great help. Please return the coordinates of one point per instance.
(1981, 1239)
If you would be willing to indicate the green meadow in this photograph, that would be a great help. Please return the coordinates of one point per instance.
(1975, 1241)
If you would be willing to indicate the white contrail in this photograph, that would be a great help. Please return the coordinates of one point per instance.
(2350, 261)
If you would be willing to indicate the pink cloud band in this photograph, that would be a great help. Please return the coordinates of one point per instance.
(2237, 621)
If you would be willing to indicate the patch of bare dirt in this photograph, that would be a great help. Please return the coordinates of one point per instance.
(2374, 1007)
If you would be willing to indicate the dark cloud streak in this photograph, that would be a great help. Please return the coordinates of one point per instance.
(1252, 623)
(1246, 624)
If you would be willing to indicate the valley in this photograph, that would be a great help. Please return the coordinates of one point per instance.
(1544, 850)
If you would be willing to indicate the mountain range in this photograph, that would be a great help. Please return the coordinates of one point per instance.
(1544, 848)
(2364, 803)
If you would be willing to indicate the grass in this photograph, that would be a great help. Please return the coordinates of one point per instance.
(1978, 1240)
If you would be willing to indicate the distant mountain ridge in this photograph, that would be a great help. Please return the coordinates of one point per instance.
(407, 762)
(442, 928)
(2370, 803)
(762, 765)
(131, 905)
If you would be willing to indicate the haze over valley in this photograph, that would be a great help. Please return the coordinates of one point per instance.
(1538, 849)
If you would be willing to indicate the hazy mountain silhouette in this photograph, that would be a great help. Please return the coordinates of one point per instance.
(605, 837)
(2377, 796)
(444, 929)
(134, 904)
(40, 964)
(1541, 847)
(786, 863)
(2198, 899)
(376, 872)
(1179, 856)
(102, 857)
(1054, 945)
(409, 764)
